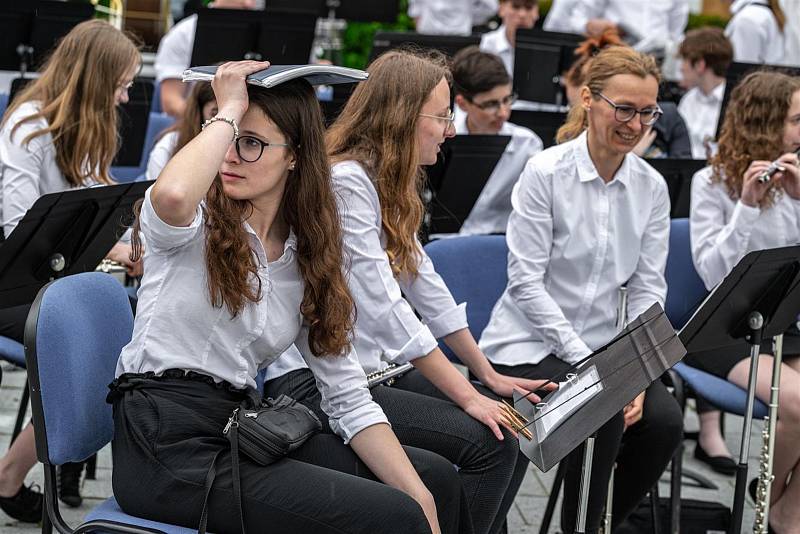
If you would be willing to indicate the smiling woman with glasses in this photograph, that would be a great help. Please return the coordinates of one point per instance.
(589, 217)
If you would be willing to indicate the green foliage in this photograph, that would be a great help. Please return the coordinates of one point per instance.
(357, 41)
(697, 21)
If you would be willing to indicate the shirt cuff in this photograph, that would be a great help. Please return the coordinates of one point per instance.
(163, 236)
(574, 350)
(448, 322)
(357, 420)
(421, 344)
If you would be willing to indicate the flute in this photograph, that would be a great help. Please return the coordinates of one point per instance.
(774, 167)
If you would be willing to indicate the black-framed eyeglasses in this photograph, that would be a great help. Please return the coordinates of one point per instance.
(623, 113)
(251, 148)
(494, 105)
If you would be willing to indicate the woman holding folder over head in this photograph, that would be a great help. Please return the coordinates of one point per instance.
(589, 217)
(60, 133)
(734, 211)
(243, 258)
(392, 124)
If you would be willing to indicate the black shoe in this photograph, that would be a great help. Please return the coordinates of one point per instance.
(25, 506)
(721, 464)
(69, 483)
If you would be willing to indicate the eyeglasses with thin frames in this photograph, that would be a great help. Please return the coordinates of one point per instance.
(449, 120)
(251, 148)
(623, 113)
(493, 106)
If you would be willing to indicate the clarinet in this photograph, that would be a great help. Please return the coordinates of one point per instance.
(389, 375)
(765, 476)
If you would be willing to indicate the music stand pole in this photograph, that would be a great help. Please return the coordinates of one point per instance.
(755, 321)
(586, 478)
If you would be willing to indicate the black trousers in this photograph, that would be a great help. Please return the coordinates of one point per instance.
(641, 452)
(168, 430)
(490, 470)
(12, 322)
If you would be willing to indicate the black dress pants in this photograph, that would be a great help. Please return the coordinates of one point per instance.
(488, 468)
(168, 431)
(641, 452)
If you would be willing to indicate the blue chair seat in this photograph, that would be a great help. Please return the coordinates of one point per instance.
(725, 395)
(12, 351)
(109, 510)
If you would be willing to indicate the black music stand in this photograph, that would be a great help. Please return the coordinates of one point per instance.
(62, 234)
(456, 180)
(759, 299)
(544, 123)
(447, 44)
(281, 37)
(598, 389)
(133, 118)
(678, 173)
(29, 30)
(540, 58)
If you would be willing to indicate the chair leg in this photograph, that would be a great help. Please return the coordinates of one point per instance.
(675, 491)
(553, 498)
(654, 502)
(23, 409)
(91, 467)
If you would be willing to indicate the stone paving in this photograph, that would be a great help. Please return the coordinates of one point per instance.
(525, 517)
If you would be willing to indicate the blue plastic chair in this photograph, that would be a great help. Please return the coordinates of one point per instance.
(13, 352)
(156, 124)
(75, 332)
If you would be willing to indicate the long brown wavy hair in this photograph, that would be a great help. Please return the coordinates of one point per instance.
(753, 129)
(76, 97)
(607, 63)
(377, 128)
(308, 206)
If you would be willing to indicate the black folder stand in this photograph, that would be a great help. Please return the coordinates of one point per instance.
(678, 173)
(604, 384)
(456, 180)
(447, 44)
(62, 234)
(759, 299)
(545, 124)
(540, 58)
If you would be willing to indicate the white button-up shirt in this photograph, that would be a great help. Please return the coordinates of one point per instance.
(387, 329)
(573, 241)
(450, 17)
(496, 42)
(653, 23)
(175, 49)
(559, 16)
(28, 170)
(176, 326)
(490, 213)
(700, 112)
(724, 230)
(161, 154)
(754, 33)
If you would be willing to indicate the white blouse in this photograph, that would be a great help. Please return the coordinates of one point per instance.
(176, 327)
(162, 152)
(573, 241)
(724, 230)
(27, 171)
(700, 112)
(496, 42)
(754, 33)
(175, 50)
(387, 328)
(452, 17)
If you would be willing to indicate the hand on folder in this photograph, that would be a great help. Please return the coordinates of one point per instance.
(505, 385)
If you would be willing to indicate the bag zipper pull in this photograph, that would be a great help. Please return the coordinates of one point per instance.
(231, 421)
(251, 415)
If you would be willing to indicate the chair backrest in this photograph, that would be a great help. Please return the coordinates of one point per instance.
(475, 270)
(75, 331)
(685, 289)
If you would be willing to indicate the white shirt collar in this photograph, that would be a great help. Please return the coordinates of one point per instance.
(586, 168)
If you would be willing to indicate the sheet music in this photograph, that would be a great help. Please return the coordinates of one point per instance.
(569, 396)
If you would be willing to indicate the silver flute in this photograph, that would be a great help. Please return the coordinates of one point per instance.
(774, 167)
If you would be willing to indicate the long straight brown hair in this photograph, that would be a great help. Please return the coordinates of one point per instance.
(377, 128)
(76, 97)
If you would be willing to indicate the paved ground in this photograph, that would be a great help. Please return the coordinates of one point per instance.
(525, 517)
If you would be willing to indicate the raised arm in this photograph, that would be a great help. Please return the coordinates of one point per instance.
(187, 177)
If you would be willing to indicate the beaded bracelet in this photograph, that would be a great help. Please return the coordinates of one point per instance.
(223, 119)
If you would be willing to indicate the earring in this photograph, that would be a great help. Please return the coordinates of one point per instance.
(291, 167)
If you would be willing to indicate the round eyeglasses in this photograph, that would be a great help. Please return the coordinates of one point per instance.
(623, 113)
(251, 148)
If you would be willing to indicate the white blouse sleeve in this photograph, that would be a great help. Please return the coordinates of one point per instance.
(22, 168)
(162, 152)
(583, 11)
(343, 386)
(647, 285)
(717, 246)
(482, 10)
(162, 238)
(383, 314)
(749, 39)
(530, 240)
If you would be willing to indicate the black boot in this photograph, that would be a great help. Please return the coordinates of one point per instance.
(69, 484)
(25, 506)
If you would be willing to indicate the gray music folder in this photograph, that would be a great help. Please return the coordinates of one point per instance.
(602, 385)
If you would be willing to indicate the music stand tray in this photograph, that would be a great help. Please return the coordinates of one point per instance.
(62, 234)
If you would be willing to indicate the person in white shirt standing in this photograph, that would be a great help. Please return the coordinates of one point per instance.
(589, 217)
(733, 213)
(515, 14)
(705, 55)
(175, 54)
(559, 16)
(484, 98)
(450, 17)
(756, 31)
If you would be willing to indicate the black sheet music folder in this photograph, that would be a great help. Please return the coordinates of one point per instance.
(64, 233)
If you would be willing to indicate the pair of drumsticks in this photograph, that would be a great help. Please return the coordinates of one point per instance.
(516, 420)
